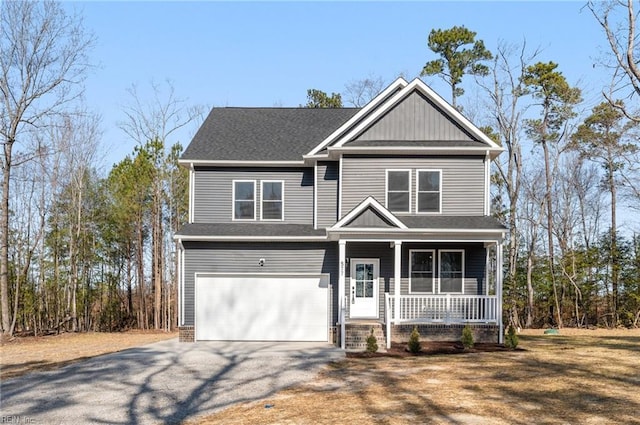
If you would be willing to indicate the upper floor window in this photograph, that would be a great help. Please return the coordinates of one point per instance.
(244, 200)
(429, 191)
(272, 200)
(421, 270)
(399, 190)
(451, 271)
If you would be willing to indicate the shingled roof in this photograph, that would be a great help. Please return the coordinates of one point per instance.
(264, 134)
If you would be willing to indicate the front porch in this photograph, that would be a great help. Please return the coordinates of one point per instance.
(437, 317)
(385, 270)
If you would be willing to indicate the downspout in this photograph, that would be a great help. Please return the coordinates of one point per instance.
(487, 184)
(180, 272)
(192, 180)
(499, 289)
(315, 195)
(341, 291)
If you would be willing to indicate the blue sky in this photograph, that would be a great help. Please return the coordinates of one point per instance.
(266, 54)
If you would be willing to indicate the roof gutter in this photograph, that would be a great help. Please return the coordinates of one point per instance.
(202, 238)
(239, 163)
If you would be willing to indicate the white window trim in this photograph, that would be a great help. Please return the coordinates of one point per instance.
(386, 189)
(433, 271)
(262, 182)
(440, 269)
(233, 200)
(418, 191)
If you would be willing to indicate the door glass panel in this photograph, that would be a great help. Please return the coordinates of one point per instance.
(364, 279)
(368, 293)
(368, 271)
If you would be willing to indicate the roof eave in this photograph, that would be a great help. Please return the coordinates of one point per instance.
(239, 163)
(227, 238)
(335, 152)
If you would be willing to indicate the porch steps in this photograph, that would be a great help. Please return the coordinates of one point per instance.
(356, 335)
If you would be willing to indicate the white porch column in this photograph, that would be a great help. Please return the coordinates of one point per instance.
(342, 245)
(499, 269)
(397, 276)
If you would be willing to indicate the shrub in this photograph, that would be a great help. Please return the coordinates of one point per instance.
(511, 341)
(414, 341)
(372, 343)
(467, 337)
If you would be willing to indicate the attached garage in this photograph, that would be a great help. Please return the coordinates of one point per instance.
(262, 308)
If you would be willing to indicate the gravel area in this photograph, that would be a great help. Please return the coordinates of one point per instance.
(164, 382)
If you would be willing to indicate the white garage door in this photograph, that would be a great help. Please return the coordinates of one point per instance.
(259, 308)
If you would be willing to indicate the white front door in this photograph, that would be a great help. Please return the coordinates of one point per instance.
(364, 288)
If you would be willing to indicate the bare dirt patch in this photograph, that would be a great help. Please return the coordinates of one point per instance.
(29, 354)
(587, 377)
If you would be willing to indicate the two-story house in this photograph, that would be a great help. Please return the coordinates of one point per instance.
(316, 224)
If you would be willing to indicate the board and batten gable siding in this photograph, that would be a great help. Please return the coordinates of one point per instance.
(415, 118)
(327, 194)
(462, 181)
(239, 257)
(213, 192)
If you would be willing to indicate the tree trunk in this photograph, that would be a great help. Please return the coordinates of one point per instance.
(4, 240)
(615, 264)
(549, 201)
(142, 314)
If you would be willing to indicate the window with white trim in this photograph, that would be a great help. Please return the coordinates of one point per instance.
(244, 200)
(399, 190)
(428, 191)
(421, 270)
(451, 270)
(272, 207)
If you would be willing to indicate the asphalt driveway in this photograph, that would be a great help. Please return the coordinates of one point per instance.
(164, 382)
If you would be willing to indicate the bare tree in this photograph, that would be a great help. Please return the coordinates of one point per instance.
(43, 62)
(530, 206)
(359, 92)
(557, 100)
(618, 20)
(506, 110)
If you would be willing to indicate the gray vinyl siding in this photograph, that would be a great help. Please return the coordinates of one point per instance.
(327, 196)
(237, 257)
(213, 192)
(462, 181)
(415, 118)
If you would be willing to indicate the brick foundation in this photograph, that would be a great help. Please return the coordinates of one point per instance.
(356, 335)
(442, 332)
(186, 333)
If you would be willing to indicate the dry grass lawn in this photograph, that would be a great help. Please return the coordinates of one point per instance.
(30, 354)
(578, 377)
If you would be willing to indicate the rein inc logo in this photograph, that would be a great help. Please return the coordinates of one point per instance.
(7, 419)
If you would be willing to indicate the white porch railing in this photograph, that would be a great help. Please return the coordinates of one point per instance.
(443, 308)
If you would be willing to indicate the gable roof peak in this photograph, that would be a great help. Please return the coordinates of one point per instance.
(359, 123)
(368, 203)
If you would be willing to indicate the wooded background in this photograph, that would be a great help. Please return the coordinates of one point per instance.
(84, 250)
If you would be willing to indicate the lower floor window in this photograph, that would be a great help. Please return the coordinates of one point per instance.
(421, 271)
(451, 271)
